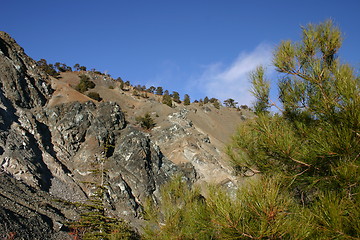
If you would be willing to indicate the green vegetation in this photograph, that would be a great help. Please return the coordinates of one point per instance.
(230, 103)
(206, 100)
(216, 104)
(94, 223)
(85, 84)
(62, 67)
(146, 122)
(47, 68)
(176, 97)
(186, 99)
(159, 91)
(167, 100)
(306, 158)
(95, 96)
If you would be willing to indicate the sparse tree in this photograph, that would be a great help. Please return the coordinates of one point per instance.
(186, 99)
(176, 97)
(167, 100)
(216, 104)
(47, 68)
(77, 67)
(151, 89)
(85, 84)
(206, 100)
(82, 68)
(159, 91)
(95, 96)
(230, 103)
(146, 122)
(95, 222)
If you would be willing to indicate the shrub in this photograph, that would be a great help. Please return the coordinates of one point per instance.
(146, 122)
(95, 96)
(47, 68)
(216, 104)
(187, 99)
(85, 84)
(167, 100)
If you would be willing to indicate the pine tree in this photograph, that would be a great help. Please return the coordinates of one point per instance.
(167, 100)
(159, 91)
(176, 97)
(307, 157)
(206, 100)
(146, 122)
(94, 223)
(186, 99)
(230, 103)
(314, 142)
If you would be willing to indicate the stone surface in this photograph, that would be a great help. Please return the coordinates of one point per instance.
(48, 153)
(52, 141)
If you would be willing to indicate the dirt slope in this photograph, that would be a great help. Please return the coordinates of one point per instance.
(201, 144)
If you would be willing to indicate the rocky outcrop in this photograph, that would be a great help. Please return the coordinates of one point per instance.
(22, 83)
(48, 153)
(192, 150)
(51, 145)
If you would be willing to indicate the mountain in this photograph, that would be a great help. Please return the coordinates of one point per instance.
(52, 137)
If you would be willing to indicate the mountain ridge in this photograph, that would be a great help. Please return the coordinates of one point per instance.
(51, 136)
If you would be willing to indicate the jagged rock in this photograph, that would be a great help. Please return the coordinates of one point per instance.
(50, 149)
(48, 153)
(22, 83)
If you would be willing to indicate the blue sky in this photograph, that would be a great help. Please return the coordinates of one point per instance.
(203, 48)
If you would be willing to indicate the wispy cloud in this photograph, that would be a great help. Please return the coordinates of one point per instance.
(232, 81)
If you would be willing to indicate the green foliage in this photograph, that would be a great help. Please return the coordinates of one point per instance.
(122, 85)
(62, 67)
(206, 100)
(94, 223)
(47, 68)
(146, 121)
(85, 84)
(95, 96)
(167, 100)
(159, 91)
(248, 213)
(315, 142)
(216, 104)
(176, 97)
(186, 99)
(77, 67)
(181, 214)
(230, 103)
(306, 158)
(261, 90)
(151, 89)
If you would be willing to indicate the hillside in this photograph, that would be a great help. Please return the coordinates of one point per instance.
(53, 137)
(190, 134)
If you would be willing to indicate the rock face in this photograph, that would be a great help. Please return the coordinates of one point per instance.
(47, 153)
(50, 145)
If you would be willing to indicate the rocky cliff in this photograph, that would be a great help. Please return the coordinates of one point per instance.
(49, 147)
(46, 153)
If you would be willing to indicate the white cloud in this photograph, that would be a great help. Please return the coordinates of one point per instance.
(232, 81)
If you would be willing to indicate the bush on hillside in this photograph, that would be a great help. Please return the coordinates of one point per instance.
(85, 84)
(95, 96)
(167, 100)
(146, 122)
